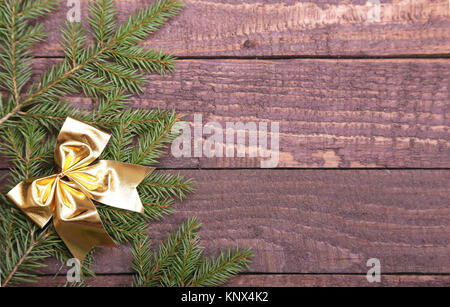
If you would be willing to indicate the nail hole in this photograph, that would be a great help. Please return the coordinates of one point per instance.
(248, 44)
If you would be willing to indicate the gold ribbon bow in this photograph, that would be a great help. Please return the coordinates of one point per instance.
(66, 196)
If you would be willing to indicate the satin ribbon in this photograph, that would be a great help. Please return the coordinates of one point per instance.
(66, 196)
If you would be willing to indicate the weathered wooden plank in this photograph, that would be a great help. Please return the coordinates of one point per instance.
(277, 280)
(336, 280)
(332, 113)
(98, 281)
(315, 221)
(290, 28)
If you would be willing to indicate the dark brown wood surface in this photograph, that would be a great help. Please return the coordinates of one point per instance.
(278, 280)
(315, 221)
(332, 113)
(350, 95)
(291, 28)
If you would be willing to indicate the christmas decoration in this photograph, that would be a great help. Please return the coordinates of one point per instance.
(66, 196)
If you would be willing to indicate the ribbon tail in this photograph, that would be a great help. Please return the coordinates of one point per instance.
(23, 196)
(113, 183)
(77, 221)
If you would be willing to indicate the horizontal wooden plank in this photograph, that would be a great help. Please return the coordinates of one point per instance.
(315, 221)
(289, 28)
(277, 280)
(331, 113)
(337, 280)
(98, 281)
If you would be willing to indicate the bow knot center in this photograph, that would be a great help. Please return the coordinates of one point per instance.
(63, 176)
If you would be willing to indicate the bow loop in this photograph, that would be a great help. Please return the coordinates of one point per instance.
(43, 190)
(78, 145)
(112, 183)
(27, 195)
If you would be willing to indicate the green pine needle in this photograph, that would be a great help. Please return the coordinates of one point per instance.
(178, 262)
(102, 19)
(113, 59)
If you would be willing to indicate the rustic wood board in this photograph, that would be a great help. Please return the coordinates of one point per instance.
(277, 280)
(337, 280)
(332, 113)
(289, 28)
(359, 112)
(315, 221)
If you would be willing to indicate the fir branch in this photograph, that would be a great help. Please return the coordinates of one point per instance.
(12, 46)
(37, 8)
(120, 142)
(156, 209)
(150, 129)
(26, 262)
(26, 147)
(149, 269)
(185, 264)
(122, 77)
(179, 261)
(50, 116)
(102, 19)
(123, 226)
(146, 21)
(152, 141)
(162, 185)
(149, 60)
(214, 272)
(18, 36)
(142, 262)
(23, 246)
(57, 81)
(109, 105)
(74, 40)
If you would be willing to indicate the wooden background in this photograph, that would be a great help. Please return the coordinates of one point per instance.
(364, 121)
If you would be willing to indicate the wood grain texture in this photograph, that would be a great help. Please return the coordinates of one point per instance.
(315, 221)
(276, 280)
(332, 113)
(337, 280)
(290, 28)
